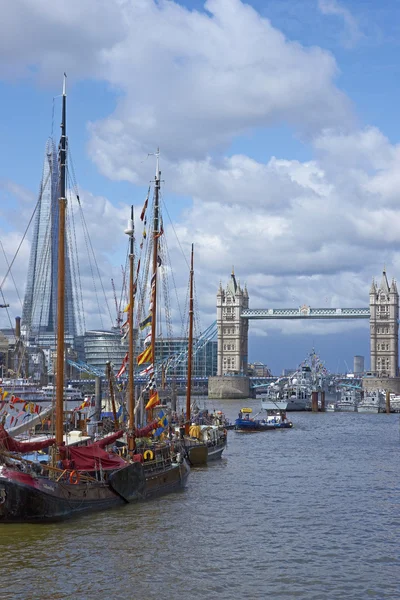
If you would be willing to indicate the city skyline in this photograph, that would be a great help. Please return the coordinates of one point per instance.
(279, 137)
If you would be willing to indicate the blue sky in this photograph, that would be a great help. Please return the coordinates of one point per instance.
(278, 126)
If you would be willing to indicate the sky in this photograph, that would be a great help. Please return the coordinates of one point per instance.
(278, 129)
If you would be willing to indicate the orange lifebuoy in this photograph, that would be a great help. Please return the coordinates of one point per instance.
(74, 477)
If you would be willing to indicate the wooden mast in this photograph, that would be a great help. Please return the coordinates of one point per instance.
(130, 230)
(190, 346)
(153, 292)
(61, 277)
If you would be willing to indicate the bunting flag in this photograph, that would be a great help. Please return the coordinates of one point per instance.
(127, 308)
(148, 370)
(151, 384)
(138, 268)
(147, 339)
(84, 404)
(123, 366)
(160, 233)
(163, 420)
(153, 401)
(125, 329)
(145, 356)
(159, 261)
(142, 214)
(144, 234)
(147, 321)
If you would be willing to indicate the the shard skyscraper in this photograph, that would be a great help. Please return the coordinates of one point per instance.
(39, 313)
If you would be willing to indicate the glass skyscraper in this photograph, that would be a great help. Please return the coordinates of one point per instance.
(39, 313)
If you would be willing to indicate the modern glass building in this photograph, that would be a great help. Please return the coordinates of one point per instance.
(204, 362)
(104, 346)
(39, 314)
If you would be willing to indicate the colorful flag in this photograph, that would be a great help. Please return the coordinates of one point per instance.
(147, 321)
(159, 261)
(123, 366)
(127, 308)
(159, 234)
(144, 206)
(147, 339)
(147, 370)
(151, 384)
(153, 401)
(145, 356)
(163, 420)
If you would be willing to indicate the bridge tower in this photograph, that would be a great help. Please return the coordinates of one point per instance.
(384, 328)
(232, 329)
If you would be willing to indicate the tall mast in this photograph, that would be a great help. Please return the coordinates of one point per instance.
(156, 235)
(61, 275)
(190, 346)
(130, 230)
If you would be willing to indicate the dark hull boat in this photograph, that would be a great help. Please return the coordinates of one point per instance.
(25, 498)
(202, 452)
(252, 426)
(90, 479)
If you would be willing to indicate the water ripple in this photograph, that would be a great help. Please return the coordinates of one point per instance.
(309, 513)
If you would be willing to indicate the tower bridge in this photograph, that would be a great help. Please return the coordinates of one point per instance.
(234, 315)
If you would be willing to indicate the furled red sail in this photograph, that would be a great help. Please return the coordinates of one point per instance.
(12, 445)
(91, 458)
(144, 432)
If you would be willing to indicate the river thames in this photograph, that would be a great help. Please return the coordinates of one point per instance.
(311, 513)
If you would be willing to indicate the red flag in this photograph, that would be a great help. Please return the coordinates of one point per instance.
(144, 209)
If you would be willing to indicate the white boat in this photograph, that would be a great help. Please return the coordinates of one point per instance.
(348, 401)
(373, 402)
(394, 403)
(331, 407)
(71, 394)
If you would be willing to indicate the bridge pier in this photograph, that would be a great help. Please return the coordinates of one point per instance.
(314, 401)
(226, 387)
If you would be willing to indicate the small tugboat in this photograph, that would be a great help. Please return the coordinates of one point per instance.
(245, 424)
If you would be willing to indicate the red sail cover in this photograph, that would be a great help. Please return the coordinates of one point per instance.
(94, 457)
(146, 430)
(12, 445)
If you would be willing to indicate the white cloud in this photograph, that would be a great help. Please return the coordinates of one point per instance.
(311, 232)
(352, 32)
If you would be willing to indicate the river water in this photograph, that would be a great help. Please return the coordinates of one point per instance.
(308, 513)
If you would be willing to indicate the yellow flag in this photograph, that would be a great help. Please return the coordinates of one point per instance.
(154, 400)
(145, 357)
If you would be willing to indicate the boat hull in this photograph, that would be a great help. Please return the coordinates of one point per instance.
(346, 408)
(198, 455)
(296, 405)
(215, 452)
(166, 481)
(243, 426)
(24, 498)
(271, 405)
